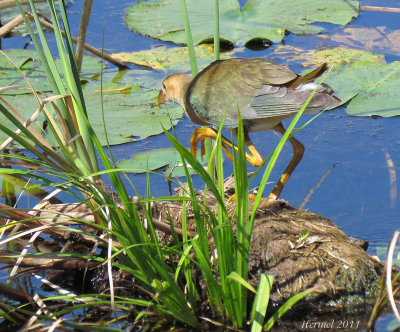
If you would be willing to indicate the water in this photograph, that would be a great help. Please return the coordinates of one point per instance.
(358, 194)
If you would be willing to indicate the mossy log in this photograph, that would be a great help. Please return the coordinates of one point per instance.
(345, 276)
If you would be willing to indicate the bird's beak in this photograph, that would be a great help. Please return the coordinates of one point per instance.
(161, 98)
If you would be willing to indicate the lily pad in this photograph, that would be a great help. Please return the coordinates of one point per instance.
(362, 78)
(381, 92)
(28, 62)
(129, 117)
(163, 58)
(150, 160)
(128, 103)
(156, 159)
(332, 56)
(22, 99)
(258, 19)
(129, 107)
(144, 78)
(374, 87)
(24, 59)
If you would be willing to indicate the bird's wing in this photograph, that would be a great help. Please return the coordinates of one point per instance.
(232, 85)
(271, 101)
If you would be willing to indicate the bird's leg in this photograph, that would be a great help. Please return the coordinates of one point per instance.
(298, 151)
(200, 134)
(254, 158)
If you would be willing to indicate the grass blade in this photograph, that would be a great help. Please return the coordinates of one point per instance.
(260, 303)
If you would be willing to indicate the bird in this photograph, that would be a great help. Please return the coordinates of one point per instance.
(262, 91)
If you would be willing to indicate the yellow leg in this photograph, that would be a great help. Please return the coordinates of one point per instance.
(255, 159)
(200, 134)
(298, 151)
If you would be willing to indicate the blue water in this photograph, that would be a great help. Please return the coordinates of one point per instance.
(357, 194)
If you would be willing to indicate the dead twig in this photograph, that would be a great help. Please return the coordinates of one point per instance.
(380, 9)
(11, 3)
(6, 28)
(80, 45)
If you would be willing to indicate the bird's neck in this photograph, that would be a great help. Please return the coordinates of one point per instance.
(183, 88)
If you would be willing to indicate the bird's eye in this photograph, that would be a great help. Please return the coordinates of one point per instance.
(164, 87)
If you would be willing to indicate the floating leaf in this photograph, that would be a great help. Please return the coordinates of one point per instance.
(144, 78)
(266, 19)
(374, 86)
(129, 107)
(382, 97)
(28, 62)
(150, 160)
(129, 117)
(156, 159)
(394, 324)
(22, 99)
(332, 56)
(361, 77)
(163, 58)
(128, 103)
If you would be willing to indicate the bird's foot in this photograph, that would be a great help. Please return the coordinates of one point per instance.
(200, 134)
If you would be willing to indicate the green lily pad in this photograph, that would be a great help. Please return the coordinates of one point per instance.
(382, 96)
(394, 323)
(146, 78)
(129, 117)
(24, 59)
(128, 103)
(374, 88)
(163, 58)
(28, 62)
(150, 160)
(156, 159)
(143, 78)
(177, 170)
(362, 78)
(266, 19)
(332, 56)
(22, 99)
(129, 107)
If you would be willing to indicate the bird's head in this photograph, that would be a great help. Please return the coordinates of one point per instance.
(174, 89)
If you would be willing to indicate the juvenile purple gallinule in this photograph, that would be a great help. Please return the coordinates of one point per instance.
(262, 91)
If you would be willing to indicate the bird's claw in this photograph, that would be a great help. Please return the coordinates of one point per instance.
(194, 140)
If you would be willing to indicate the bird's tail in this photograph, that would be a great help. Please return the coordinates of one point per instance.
(307, 78)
